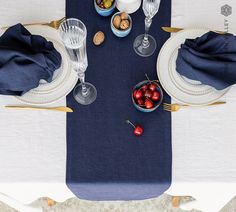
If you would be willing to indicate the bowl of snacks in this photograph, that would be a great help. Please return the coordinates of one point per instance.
(104, 7)
(147, 96)
(121, 24)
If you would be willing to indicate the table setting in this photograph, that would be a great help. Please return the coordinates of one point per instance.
(113, 100)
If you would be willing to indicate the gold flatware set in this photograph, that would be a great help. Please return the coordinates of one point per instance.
(166, 106)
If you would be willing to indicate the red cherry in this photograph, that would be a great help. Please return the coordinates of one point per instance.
(138, 130)
(138, 94)
(155, 96)
(148, 93)
(144, 87)
(134, 93)
(140, 102)
(148, 103)
(152, 87)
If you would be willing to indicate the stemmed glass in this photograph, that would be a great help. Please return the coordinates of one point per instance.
(73, 34)
(145, 44)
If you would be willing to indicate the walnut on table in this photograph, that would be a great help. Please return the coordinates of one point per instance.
(98, 38)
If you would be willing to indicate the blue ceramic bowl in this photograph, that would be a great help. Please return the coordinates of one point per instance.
(118, 32)
(105, 12)
(156, 104)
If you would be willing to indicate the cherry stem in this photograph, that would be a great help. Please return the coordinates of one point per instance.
(156, 81)
(150, 81)
(129, 122)
(147, 77)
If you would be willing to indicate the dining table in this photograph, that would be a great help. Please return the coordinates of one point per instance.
(91, 153)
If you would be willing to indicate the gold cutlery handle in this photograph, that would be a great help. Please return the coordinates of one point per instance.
(216, 103)
(61, 109)
(212, 104)
(176, 29)
(171, 29)
(30, 24)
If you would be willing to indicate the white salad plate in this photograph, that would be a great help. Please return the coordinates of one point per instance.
(180, 88)
(64, 79)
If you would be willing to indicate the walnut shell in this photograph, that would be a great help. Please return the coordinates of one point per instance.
(124, 16)
(117, 21)
(124, 24)
(98, 38)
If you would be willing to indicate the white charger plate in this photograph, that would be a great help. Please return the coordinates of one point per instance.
(180, 88)
(64, 79)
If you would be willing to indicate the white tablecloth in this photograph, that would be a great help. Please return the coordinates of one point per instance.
(204, 140)
(32, 143)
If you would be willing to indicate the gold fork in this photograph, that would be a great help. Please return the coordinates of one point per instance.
(61, 109)
(54, 24)
(176, 107)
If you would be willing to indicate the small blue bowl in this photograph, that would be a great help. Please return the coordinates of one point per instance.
(118, 32)
(105, 12)
(156, 104)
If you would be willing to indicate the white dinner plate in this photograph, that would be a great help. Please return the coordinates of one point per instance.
(64, 79)
(178, 87)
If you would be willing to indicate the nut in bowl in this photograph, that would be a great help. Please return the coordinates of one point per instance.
(121, 24)
(147, 96)
(105, 7)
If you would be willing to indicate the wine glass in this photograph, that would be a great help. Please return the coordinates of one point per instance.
(73, 34)
(145, 44)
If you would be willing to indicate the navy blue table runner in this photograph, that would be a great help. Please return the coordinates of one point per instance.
(105, 161)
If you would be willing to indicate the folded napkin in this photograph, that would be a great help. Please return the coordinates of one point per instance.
(25, 59)
(210, 59)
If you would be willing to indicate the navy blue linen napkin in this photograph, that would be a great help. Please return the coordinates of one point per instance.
(210, 59)
(25, 59)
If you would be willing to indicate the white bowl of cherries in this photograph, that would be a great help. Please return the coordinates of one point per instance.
(147, 96)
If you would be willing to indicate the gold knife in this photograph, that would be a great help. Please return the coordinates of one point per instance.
(175, 29)
(61, 109)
